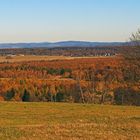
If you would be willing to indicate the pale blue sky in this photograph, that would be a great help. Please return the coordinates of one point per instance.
(59, 20)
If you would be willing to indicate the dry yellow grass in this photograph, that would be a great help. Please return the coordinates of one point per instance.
(32, 58)
(39, 58)
(63, 121)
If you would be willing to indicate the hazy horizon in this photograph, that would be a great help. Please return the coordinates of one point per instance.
(20, 42)
(27, 21)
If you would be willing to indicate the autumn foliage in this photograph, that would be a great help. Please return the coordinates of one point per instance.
(109, 80)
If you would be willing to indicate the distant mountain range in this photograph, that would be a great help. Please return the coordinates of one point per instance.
(61, 44)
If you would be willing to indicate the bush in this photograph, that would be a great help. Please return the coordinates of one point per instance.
(26, 96)
(10, 94)
(59, 97)
(127, 97)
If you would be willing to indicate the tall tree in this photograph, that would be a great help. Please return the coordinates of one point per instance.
(135, 38)
(135, 42)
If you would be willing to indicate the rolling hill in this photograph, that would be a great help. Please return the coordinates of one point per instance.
(60, 44)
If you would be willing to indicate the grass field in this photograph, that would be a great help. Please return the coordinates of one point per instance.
(45, 58)
(32, 58)
(33, 121)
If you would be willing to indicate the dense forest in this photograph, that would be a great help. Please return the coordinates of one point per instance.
(65, 51)
(107, 80)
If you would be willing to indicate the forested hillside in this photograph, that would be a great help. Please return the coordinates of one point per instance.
(65, 51)
(108, 80)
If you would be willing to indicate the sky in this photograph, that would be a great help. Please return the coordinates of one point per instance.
(61, 20)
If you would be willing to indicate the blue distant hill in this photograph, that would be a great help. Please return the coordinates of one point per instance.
(61, 44)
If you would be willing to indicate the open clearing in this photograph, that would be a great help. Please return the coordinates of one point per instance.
(32, 58)
(40, 58)
(65, 121)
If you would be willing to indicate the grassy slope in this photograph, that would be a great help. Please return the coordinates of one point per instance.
(68, 121)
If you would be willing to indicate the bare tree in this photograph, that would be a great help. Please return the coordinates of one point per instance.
(133, 51)
(135, 38)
